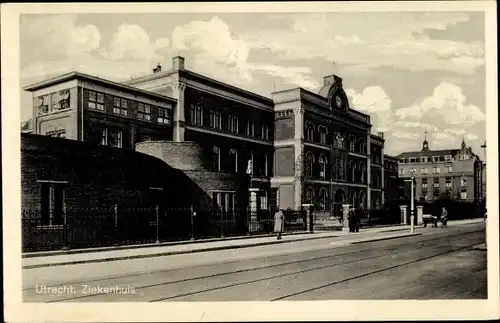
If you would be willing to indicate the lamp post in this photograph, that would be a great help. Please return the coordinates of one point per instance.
(412, 216)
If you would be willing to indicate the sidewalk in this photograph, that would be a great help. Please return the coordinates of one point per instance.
(46, 259)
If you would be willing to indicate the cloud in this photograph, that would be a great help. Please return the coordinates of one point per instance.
(371, 40)
(412, 125)
(405, 135)
(471, 137)
(446, 104)
(374, 101)
(59, 35)
(216, 48)
(133, 42)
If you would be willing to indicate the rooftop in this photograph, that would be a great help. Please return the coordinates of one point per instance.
(429, 153)
(86, 77)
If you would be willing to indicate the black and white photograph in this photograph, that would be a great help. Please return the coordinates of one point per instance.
(250, 161)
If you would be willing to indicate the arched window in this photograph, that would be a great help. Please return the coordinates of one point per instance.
(323, 199)
(266, 166)
(352, 171)
(362, 171)
(309, 133)
(352, 143)
(323, 132)
(339, 141)
(308, 171)
(322, 166)
(216, 156)
(362, 200)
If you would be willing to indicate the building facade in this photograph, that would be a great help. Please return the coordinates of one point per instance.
(392, 181)
(452, 173)
(294, 148)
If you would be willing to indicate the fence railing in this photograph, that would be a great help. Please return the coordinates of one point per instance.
(100, 227)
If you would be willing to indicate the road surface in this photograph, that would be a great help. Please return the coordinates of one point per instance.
(439, 264)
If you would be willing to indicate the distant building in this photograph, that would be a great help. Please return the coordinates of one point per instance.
(392, 181)
(453, 173)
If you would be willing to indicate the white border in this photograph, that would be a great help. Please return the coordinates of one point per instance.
(16, 311)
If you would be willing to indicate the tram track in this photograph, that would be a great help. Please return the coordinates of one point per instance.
(394, 250)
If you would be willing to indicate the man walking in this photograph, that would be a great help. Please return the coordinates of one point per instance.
(444, 217)
(279, 223)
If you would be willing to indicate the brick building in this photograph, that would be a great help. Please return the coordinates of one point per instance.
(298, 147)
(453, 173)
(391, 180)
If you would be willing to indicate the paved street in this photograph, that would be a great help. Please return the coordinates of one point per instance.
(439, 264)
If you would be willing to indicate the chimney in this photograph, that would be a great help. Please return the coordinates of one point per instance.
(332, 79)
(157, 69)
(178, 63)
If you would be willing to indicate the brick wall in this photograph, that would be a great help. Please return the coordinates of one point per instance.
(285, 161)
(284, 129)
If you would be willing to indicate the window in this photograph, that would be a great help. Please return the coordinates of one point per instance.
(266, 166)
(57, 133)
(323, 198)
(115, 139)
(424, 171)
(309, 135)
(144, 112)
(352, 143)
(436, 194)
(436, 170)
(436, 182)
(42, 104)
(401, 172)
(339, 141)
(424, 182)
(265, 131)
(413, 159)
(250, 128)
(322, 166)
(224, 201)
(447, 158)
(216, 158)
(60, 100)
(96, 100)
(196, 114)
(463, 195)
(424, 159)
(52, 203)
(310, 195)
(402, 160)
(463, 182)
(232, 123)
(352, 168)
(448, 182)
(435, 159)
(322, 134)
(217, 120)
(308, 169)
(163, 116)
(362, 172)
(120, 106)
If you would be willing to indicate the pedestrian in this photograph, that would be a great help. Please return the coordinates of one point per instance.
(279, 223)
(444, 217)
(351, 220)
(356, 220)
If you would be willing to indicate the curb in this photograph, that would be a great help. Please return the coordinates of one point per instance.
(387, 238)
(170, 253)
(148, 245)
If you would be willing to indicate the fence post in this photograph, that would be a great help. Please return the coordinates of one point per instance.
(65, 230)
(193, 213)
(222, 223)
(116, 224)
(157, 225)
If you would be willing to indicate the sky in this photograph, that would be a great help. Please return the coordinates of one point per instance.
(412, 72)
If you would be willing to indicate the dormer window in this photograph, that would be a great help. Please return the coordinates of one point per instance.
(424, 159)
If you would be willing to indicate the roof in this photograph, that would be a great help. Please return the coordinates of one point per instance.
(324, 91)
(204, 78)
(427, 153)
(86, 77)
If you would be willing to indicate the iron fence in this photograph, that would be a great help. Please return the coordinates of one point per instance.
(101, 227)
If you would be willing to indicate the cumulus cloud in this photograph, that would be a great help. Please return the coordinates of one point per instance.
(216, 48)
(446, 104)
(374, 101)
(59, 35)
(133, 42)
(371, 40)
(405, 135)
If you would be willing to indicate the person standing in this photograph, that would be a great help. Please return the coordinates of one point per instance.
(279, 223)
(444, 217)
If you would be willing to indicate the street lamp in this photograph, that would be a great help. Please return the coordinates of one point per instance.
(412, 216)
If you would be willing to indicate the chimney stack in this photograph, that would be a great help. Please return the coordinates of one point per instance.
(381, 135)
(332, 79)
(178, 63)
(157, 69)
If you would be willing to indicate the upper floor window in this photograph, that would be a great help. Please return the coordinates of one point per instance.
(362, 172)
(436, 170)
(309, 133)
(163, 116)
(435, 159)
(447, 158)
(96, 100)
(215, 119)
(424, 159)
(424, 182)
(448, 169)
(339, 141)
(120, 106)
(250, 128)
(463, 181)
(143, 111)
(448, 182)
(436, 182)
(196, 114)
(323, 199)
(110, 137)
(322, 134)
(60, 100)
(401, 172)
(322, 166)
(424, 171)
(352, 143)
(309, 165)
(216, 156)
(402, 160)
(413, 160)
(265, 131)
(232, 123)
